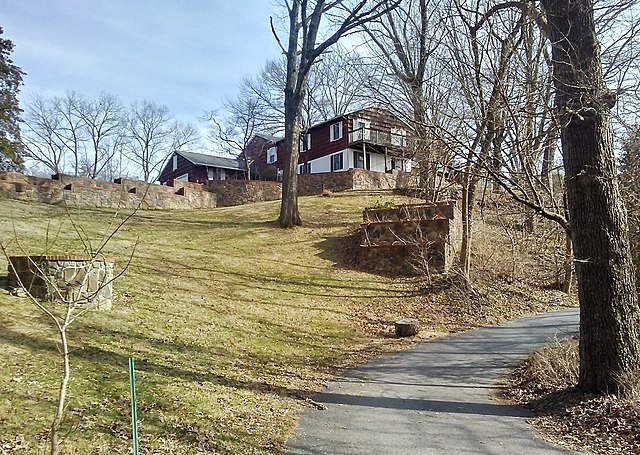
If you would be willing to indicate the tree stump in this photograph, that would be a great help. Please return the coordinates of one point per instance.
(407, 327)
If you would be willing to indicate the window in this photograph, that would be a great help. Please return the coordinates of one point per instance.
(215, 173)
(272, 155)
(358, 160)
(183, 177)
(305, 142)
(398, 137)
(335, 132)
(304, 168)
(175, 162)
(336, 162)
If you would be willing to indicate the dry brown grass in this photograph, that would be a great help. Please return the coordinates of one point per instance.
(235, 322)
(586, 423)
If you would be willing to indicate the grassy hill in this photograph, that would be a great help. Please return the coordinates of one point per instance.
(232, 322)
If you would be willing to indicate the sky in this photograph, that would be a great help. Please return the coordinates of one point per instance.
(189, 55)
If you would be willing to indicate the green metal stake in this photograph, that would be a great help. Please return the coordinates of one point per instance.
(134, 410)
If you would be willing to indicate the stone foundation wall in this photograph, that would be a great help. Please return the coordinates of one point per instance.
(67, 279)
(238, 192)
(311, 184)
(353, 179)
(122, 193)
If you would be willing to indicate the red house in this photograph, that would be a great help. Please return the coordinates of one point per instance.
(256, 153)
(371, 138)
(198, 168)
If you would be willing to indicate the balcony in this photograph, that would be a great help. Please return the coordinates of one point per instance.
(379, 139)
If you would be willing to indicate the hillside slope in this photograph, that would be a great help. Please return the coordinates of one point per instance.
(232, 322)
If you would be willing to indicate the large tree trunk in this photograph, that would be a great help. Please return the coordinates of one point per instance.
(609, 313)
(289, 213)
(294, 92)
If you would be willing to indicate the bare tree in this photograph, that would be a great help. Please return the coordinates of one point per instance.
(70, 302)
(103, 121)
(151, 133)
(264, 95)
(334, 86)
(74, 134)
(41, 135)
(405, 42)
(609, 311)
(241, 119)
(302, 49)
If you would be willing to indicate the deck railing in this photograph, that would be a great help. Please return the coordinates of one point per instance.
(379, 137)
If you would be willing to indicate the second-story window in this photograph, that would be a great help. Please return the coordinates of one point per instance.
(336, 131)
(398, 137)
(272, 155)
(361, 129)
(175, 162)
(305, 142)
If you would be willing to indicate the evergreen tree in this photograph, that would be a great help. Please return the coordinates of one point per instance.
(11, 150)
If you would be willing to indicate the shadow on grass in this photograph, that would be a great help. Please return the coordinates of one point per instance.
(344, 252)
(304, 285)
(120, 361)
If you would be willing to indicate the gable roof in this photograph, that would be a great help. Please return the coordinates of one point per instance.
(269, 137)
(212, 161)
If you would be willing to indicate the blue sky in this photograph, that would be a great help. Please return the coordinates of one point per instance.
(189, 55)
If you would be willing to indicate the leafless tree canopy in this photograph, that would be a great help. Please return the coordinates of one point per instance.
(99, 138)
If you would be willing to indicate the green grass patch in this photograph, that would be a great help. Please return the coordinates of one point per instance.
(232, 322)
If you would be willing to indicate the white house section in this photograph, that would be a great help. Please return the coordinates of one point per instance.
(350, 159)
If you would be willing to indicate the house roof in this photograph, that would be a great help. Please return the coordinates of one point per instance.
(270, 138)
(212, 160)
(355, 111)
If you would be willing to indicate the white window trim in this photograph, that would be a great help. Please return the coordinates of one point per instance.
(175, 163)
(302, 143)
(272, 153)
(342, 159)
(332, 136)
(183, 177)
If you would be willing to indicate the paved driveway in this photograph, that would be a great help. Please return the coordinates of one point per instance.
(434, 398)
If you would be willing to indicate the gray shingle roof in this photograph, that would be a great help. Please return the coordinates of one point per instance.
(213, 161)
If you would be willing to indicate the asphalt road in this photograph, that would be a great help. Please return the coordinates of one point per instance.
(434, 398)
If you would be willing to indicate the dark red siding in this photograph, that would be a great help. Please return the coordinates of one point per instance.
(184, 167)
(321, 144)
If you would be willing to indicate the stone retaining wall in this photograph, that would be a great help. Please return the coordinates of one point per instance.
(411, 239)
(122, 193)
(238, 192)
(69, 279)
